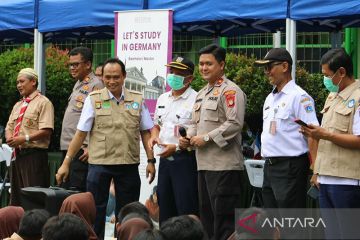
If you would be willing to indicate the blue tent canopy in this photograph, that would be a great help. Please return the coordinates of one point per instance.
(332, 15)
(17, 19)
(62, 18)
(81, 19)
(59, 19)
(228, 18)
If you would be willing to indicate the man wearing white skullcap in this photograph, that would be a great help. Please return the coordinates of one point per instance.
(28, 132)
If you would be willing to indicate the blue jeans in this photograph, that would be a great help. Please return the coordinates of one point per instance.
(338, 223)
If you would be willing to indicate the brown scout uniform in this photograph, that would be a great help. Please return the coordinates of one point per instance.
(38, 115)
(219, 112)
(338, 115)
(74, 108)
(115, 135)
(31, 165)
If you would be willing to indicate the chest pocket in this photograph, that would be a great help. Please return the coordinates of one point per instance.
(283, 120)
(30, 120)
(341, 119)
(132, 118)
(103, 118)
(211, 112)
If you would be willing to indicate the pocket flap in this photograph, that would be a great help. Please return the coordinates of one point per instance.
(283, 115)
(211, 106)
(344, 111)
(103, 112)
(31, 116)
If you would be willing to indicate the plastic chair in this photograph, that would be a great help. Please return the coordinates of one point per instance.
(5, 155)
(255, 171)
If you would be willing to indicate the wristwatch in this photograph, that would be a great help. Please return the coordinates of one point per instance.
(206, 138)
(152, 160)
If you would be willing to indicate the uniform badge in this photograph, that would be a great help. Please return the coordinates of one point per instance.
(309, 108)
(213, 98)
(97, 104)
(127, 106)
(29, 122)
(351, 103)
(85, 87)
(216, 92)
(306, 99)
(220, 81)
(106, 104)
(80, 98)
(79, 104)
(230, 100)
(135, 105)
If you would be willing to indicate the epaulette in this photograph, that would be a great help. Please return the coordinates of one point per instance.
(95, 92)
(134, 92)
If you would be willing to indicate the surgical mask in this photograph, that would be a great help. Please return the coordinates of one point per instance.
(176, 82)
(330, 86)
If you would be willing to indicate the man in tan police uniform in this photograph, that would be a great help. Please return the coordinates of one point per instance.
(219, 115)
(80, 62)
(28, 131)
(115, 118)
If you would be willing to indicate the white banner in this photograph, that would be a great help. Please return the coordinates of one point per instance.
(143, 41)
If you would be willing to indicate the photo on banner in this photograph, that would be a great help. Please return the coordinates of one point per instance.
(143, 41)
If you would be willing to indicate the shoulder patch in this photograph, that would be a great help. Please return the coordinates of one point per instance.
(229, 92)
(305, 99)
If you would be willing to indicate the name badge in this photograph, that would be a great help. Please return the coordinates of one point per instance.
(272, 129)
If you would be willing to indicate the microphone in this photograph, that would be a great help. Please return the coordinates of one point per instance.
(182, 132)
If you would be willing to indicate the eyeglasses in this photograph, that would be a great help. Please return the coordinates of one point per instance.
(75, 64)
(269, 66)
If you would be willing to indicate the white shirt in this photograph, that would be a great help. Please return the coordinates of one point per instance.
(339, 180)
(283, 107)
(88, 114)
(173, 111)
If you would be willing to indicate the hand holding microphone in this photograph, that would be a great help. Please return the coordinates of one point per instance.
(182, 132)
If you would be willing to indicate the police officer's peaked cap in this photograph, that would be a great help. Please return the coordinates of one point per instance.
(181, 63)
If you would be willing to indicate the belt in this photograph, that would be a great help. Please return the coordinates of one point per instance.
(26, 151)
(275, 160)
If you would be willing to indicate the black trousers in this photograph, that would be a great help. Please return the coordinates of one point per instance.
(127, 189)
(219, 195)
(177, 186)
(285, 182)
(78, 173)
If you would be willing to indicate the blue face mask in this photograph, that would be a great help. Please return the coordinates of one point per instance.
(176, 82)
(330, 86)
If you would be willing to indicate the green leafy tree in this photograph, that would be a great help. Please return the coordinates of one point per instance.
(58, 83)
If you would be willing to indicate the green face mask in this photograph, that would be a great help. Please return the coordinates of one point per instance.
(330, 86)
(176, 82)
